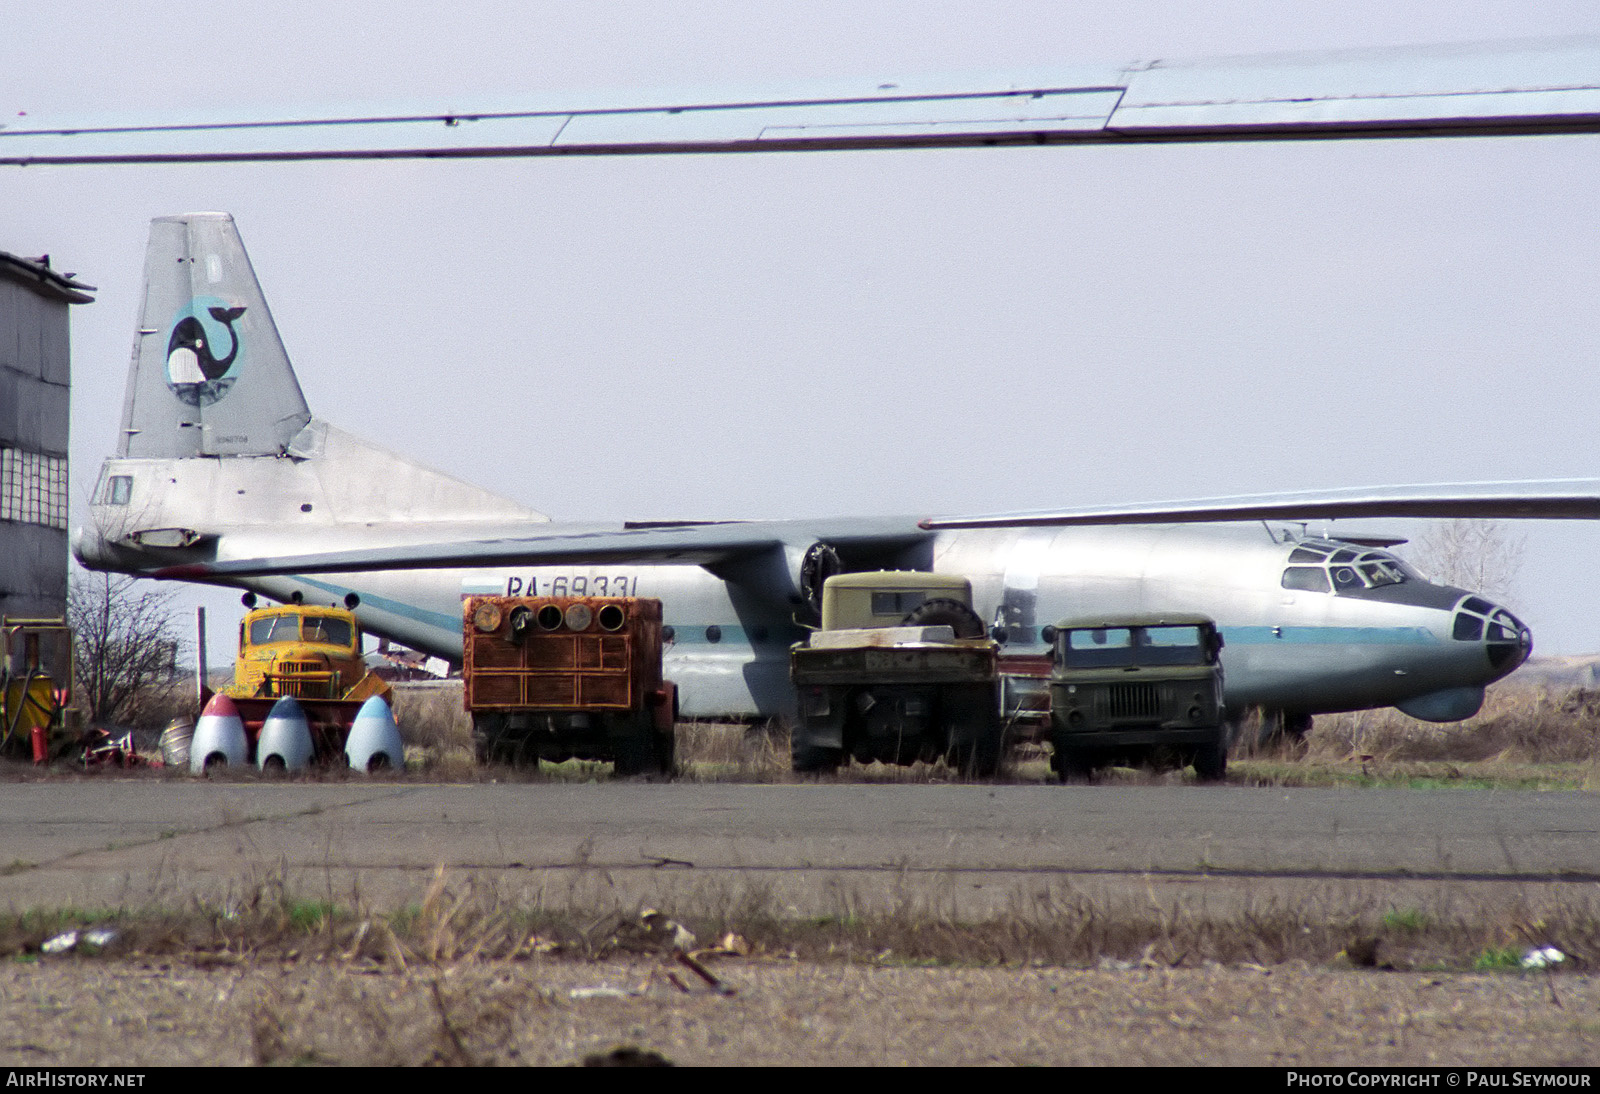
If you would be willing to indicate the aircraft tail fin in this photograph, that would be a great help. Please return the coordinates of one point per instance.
(209, 375)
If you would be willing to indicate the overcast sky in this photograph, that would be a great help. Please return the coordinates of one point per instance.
(853, 333)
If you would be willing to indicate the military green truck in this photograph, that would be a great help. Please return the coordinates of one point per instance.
(901, 670)
(1134, 689)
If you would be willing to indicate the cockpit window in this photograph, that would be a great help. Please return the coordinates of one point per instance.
(1310, 579)
(1346, 577)
(1381, 573)
(1345, 570)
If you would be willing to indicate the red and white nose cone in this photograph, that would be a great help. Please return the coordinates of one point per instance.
(219, 738)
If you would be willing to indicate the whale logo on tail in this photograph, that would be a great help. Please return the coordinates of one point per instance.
(195, 373)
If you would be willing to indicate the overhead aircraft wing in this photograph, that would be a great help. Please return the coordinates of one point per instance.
(1545, 499)
(709, 545)
(1546, 86)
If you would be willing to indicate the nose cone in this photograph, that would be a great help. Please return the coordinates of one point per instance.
(374, 742)
(89, 547)
(1507, 642)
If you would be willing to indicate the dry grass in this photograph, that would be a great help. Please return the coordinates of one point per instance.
(1517, 724)
(1525, 736)
(466, 919)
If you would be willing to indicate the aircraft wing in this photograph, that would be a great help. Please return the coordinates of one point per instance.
(1549, 499)
(710, 545)
(1547, 86)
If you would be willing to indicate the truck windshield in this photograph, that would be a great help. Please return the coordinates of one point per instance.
(333, 632)
(1121, 647)
(275, 628)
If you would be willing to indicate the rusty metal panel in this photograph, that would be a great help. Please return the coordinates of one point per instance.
(560, 654)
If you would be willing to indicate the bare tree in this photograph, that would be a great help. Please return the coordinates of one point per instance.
(1480, 555)
(126, 639)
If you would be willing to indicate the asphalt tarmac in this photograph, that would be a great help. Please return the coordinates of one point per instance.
(804, 849)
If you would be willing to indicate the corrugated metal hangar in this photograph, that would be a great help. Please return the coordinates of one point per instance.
(35, 388)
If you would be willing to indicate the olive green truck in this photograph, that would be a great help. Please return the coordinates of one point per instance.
(1136, 689)
(901, 670)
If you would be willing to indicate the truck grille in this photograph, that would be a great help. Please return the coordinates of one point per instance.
(301, 679)
(1133, 701)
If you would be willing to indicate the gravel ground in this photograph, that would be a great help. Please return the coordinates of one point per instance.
(133, 1012)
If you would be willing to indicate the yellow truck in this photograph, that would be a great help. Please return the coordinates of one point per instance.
(312, 653)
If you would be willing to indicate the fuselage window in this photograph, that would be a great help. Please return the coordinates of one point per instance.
(119, 489)
(1468, 628)
(1309, 579)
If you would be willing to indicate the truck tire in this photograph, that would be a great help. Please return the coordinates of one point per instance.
(634, 743)
(815, 760)
(489, 739)
(944, 612)
(974, 730)
(1211, 760)
(1076, 765)
(667, 752)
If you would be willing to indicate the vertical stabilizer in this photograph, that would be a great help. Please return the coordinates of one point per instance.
(209, 375)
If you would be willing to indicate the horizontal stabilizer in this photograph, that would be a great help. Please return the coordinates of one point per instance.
(1538, 499)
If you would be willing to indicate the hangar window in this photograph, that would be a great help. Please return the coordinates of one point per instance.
(33, 488)
(1309, 579)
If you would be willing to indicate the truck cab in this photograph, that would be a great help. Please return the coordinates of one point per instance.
(901, 670)
(301, 650)
(1126, 688)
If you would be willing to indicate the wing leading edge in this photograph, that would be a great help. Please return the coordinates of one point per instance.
(723, 545)
(1501, 88)
(714, 546)
(1542, 499)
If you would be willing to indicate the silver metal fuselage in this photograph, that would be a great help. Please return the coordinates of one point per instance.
(1294, 651)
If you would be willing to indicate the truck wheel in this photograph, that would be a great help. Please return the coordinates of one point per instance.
(489, 739)
(815, 759)
(667, 752)
(1076, 765)
(1211, 761)
(974, 731)
(944, 612)
(633, 746)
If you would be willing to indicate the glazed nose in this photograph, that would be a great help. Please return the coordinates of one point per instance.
(1505, 638)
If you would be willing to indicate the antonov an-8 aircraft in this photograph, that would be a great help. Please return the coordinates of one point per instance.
(224, 476)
